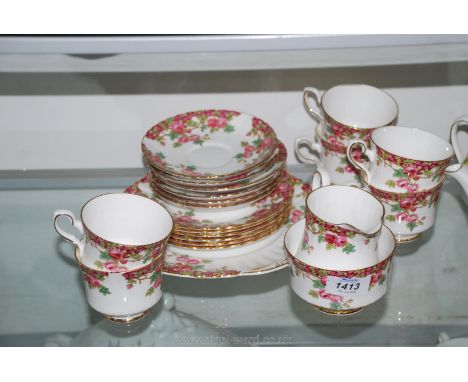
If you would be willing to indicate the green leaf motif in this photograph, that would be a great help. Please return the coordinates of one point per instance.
(149, 292)
(396, 208)
(335, 305)
(390, 218)
(390, 183)
(99, 264)
(411, 226)
(229, 129)
(399, 173)
(173, 135)
(160, 155)
(339, 170)
(320, 238)
(349, 248)
(176, 144)
(154, 277)
(317, 284)
(104, 290)
(239, 156)
(257, 142)
(329, 246)
(382, 279)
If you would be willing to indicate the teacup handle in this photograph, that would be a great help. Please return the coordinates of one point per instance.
(321, 178)
(314, 93)
(313, 146)
(75, 223)
(365, 151)
(456, 147)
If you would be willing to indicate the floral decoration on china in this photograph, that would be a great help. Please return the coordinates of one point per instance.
(408, 171)
(184, 265)
(403, 207)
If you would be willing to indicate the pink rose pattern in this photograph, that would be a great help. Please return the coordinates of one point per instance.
(332, 145)
(345, 133)
(378, 276)
(332, 235)
(152, 272)
(403, 207)
(196, 128)
(114, 257)
(407, 172)
(187, 266)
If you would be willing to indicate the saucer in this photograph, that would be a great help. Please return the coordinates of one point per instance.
(225, 219)
(264, 256)
(209, 143)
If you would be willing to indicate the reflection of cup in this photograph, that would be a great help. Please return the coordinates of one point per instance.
(460, 170)
(343, 225)
(408, 214)
(332, 157)
(403, 159)
(351, 111)
(339, 291)
(123, 296)
(120, 231)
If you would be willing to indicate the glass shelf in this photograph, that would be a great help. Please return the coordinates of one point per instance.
(42, 296)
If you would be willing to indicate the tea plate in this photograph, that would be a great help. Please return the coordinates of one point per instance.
(225, 218)
(264, 256)
(209, 143)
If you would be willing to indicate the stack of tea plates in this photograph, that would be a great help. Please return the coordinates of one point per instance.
(221, 175)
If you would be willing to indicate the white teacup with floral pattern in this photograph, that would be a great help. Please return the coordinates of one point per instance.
(351, 111)
(121, 295)
(339, 291)
(343, 225)
(332, 157)
(408, 214)
(120, 231)
(403, 159)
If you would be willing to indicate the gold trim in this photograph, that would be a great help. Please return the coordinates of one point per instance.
(177, 193)
(180, 179)
(334, 312)
(197, 237)
(253, 165)
(382, 219)
(255, 227)
(408, 240)
(412, 159)
(218, 204)
(127, 245)
(222, 245)
(327, 116)
(388, 258)
(127, 319)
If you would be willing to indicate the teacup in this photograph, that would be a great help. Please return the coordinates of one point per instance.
(351, 111)
(334, 291)
(123, 296)
(343, 225)
(332, 157)
(408, 214)
(120, 231)
(403, 159)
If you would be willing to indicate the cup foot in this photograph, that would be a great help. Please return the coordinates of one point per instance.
(335, 312)
(128, 319)
(402, 239)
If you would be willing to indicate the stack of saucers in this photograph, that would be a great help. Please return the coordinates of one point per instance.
(221, 175)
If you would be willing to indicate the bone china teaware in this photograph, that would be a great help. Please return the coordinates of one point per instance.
(123, 296)
(339, 292)
(460, 170)
(351, 111)
(120, 231)
(343, 225)
(332, 157)
(403, 159)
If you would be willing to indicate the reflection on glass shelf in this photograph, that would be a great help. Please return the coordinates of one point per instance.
(43, 296)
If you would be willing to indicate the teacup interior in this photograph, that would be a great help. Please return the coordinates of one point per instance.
(347, 205)
(360, 106)
(412, 143)
(127, 219)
